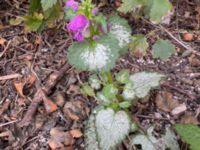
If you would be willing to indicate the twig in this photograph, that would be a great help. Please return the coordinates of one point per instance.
(7, 123)
(178, 90)
(5, 49)
(41, 93)
(11, 76)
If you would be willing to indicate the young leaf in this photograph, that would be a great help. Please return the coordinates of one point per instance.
(141, 83)
(159, 9)
(33, 23)
(69, 13)
(129, 5)
(46, 4)
(110, 91)
(190, 134)
(125, 104)
(128, 92)
(103, 99)
(94, 82)
(123, 76)
(149, 142)
(139, 44)
(121, 30)
(163, 49)
(98, 56)
(86, 89)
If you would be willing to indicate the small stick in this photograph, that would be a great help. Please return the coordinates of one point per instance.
(178, 90)
(7, 123)
(41, 93)
(11, 76)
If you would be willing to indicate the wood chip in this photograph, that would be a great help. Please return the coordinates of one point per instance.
(179, 109)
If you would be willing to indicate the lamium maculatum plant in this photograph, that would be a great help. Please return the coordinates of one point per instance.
(99, 41)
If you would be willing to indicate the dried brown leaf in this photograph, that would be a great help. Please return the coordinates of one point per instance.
(49, 105)
(2, 41)
(165, 101)
(76, 133)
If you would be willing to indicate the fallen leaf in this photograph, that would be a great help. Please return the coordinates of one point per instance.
(165, 101)
(59, 99)
(2, 41)
(31, 79)
(59, 138)
(189, 118)
(179, 109)
(188, 36)
(73, 89)
(49, 105)
(76, 133)
(19, 87)
(75, 110)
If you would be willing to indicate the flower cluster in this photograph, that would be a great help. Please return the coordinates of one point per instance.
(79, 25)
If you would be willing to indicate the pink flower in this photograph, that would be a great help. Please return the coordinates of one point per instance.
(78, 25)
(72, 4)
(95, 11)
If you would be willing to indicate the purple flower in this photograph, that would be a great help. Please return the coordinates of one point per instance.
(72, 4)
(78, 25)
(95, 11)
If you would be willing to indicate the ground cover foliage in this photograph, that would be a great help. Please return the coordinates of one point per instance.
(99, 74)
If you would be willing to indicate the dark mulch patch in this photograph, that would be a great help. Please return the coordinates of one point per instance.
(41, 55)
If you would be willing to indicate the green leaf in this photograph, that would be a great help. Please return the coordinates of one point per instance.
(46, 4)
(105, 129)
(128, 92)
(125, 104)
(139, 44)
(87, 90)
(121, 30)
(190, 134)
(16, 21)
(129, 5)
(149, 142)
(159, 9)
(94, 82)
(163, 49)
(34, 6)
(69, 13)
(103, 99)
(100, 55)
(123, 76)
(33, 23)
(140, 84)
(110, 91)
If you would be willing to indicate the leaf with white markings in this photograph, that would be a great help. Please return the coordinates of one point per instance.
(121, 31)
(94, 82)
(100, 55)
(106, 129)
(163, 49)
(46, 4)
(149, 142)
(140, 84)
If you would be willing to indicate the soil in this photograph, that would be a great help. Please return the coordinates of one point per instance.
(30, 61)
